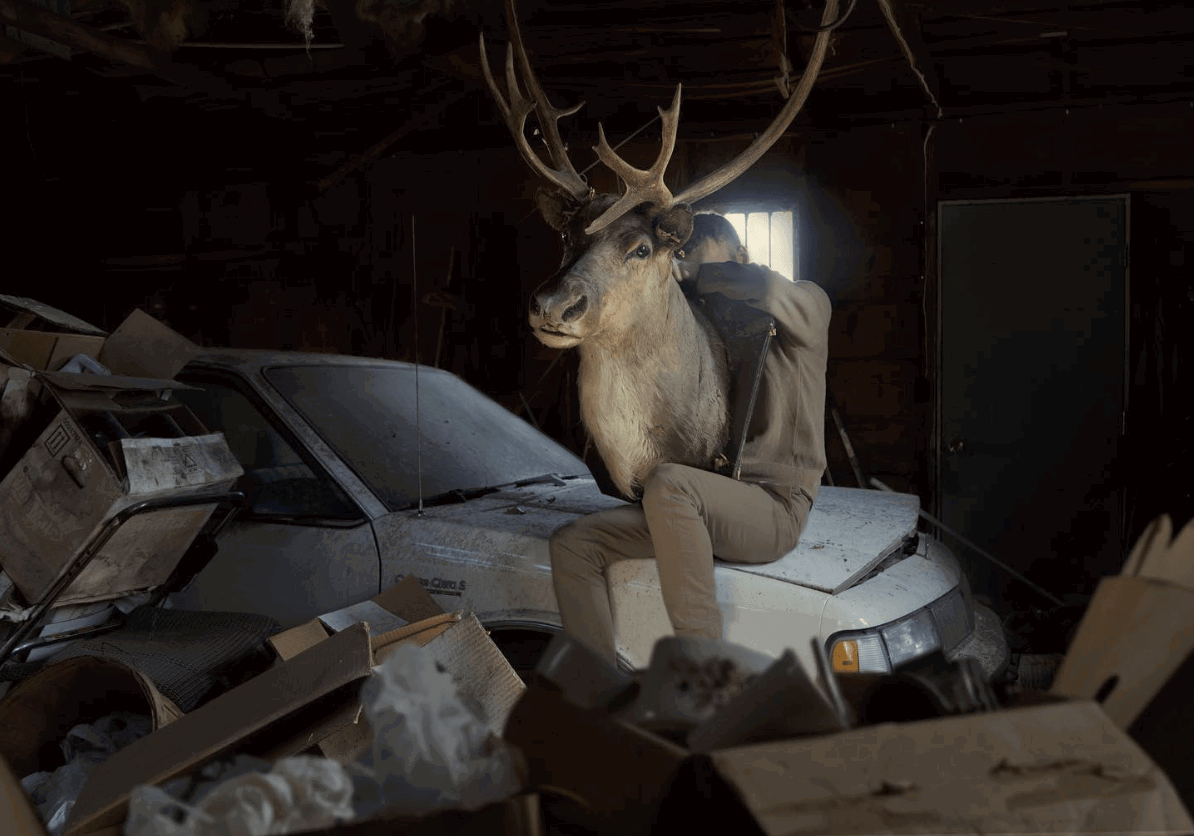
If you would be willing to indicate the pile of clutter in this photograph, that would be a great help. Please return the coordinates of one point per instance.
(393, 716)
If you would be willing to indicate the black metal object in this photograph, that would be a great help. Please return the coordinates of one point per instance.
(70, 571)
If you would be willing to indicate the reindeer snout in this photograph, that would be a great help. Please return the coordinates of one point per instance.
(553, 310)
(576, 309)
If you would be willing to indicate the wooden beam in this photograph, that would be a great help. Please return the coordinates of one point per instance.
(414, 123)
(907, 35)
(65, 30)
(10, 49)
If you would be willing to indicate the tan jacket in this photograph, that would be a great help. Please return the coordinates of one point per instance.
(785, 435)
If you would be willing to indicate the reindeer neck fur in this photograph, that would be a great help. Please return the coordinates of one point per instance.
(657, 395)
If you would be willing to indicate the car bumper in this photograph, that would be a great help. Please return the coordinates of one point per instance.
(986, 644)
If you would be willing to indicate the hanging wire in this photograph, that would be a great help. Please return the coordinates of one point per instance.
(414, 275)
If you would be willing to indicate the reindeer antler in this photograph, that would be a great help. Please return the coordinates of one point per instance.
(710, 183)
(641, 186)
(515, 113)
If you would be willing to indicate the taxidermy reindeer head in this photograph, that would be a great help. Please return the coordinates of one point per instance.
(653, 380)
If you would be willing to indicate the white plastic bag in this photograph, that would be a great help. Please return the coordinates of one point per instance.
(429, 752)
(299, 793)
(85, 746)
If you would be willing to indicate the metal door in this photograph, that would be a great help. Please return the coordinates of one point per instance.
(1031, 387)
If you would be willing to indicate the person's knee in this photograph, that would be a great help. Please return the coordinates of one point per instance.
(570, 545)
(668, 481)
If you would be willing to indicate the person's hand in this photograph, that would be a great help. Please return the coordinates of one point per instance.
(683, 271)
(717, 278)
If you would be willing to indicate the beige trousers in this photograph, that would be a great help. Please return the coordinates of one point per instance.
(686, 517)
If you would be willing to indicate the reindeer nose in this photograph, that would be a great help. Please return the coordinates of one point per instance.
(536, 308)
(576, 309)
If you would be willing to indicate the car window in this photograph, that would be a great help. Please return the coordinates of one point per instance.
(367, 414)
(277, 480)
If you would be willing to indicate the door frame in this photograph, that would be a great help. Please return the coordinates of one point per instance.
(935, 438)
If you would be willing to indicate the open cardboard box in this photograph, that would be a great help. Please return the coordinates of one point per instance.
(43, 338)
(408, 614)
(16, 810)
(310, 699)
(68, 483)
(1134, 650)
(1061, 767)
(1047, 764)
(71, 466)
(1055, 767)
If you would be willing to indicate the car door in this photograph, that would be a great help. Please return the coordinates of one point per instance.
(301, 546)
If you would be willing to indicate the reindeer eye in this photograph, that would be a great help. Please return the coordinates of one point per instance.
(642, 252)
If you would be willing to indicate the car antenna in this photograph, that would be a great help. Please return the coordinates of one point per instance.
(414, 275)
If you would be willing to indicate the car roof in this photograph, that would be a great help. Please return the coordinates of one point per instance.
(257, 358)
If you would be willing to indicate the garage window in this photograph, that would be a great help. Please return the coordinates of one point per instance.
(770, 239)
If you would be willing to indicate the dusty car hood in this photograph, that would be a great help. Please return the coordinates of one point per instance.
(848, 532)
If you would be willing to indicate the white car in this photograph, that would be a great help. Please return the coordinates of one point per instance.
(359, 472)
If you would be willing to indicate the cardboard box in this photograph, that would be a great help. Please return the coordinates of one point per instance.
(44, 338)
(266, 715)
(1138, 629)
(306, 700)
(76, 473)
(614, 773)
(1058, 768)
(47, 352)
(17, 312)
(16, 809)
(39, 711)
(458, 641)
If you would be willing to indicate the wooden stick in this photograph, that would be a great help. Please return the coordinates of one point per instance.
(65, 30)
(375, 150)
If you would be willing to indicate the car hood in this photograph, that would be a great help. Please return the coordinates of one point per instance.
(848, 531)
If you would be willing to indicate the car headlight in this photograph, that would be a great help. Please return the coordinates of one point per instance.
(910, 639)
(939, 626)
(954, 619)
(859, 653)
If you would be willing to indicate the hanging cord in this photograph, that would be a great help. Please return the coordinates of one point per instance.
(414, 275)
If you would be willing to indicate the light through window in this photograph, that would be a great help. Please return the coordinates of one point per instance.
(768, 238)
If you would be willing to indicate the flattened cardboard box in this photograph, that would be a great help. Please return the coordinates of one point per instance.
(1059, 768)
(65, 487)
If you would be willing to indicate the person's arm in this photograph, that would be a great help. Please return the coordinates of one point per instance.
(800, 308)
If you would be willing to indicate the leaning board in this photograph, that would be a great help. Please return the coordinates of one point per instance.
(848, 532)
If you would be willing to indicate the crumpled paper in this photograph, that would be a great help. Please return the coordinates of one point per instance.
(299, 793)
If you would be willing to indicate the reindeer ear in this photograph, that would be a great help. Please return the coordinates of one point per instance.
(556, 207)
(674, 225)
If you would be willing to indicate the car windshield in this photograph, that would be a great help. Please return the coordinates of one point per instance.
(469, 441)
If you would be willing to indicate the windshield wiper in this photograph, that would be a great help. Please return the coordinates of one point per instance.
(458, 495)
(554, 478)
